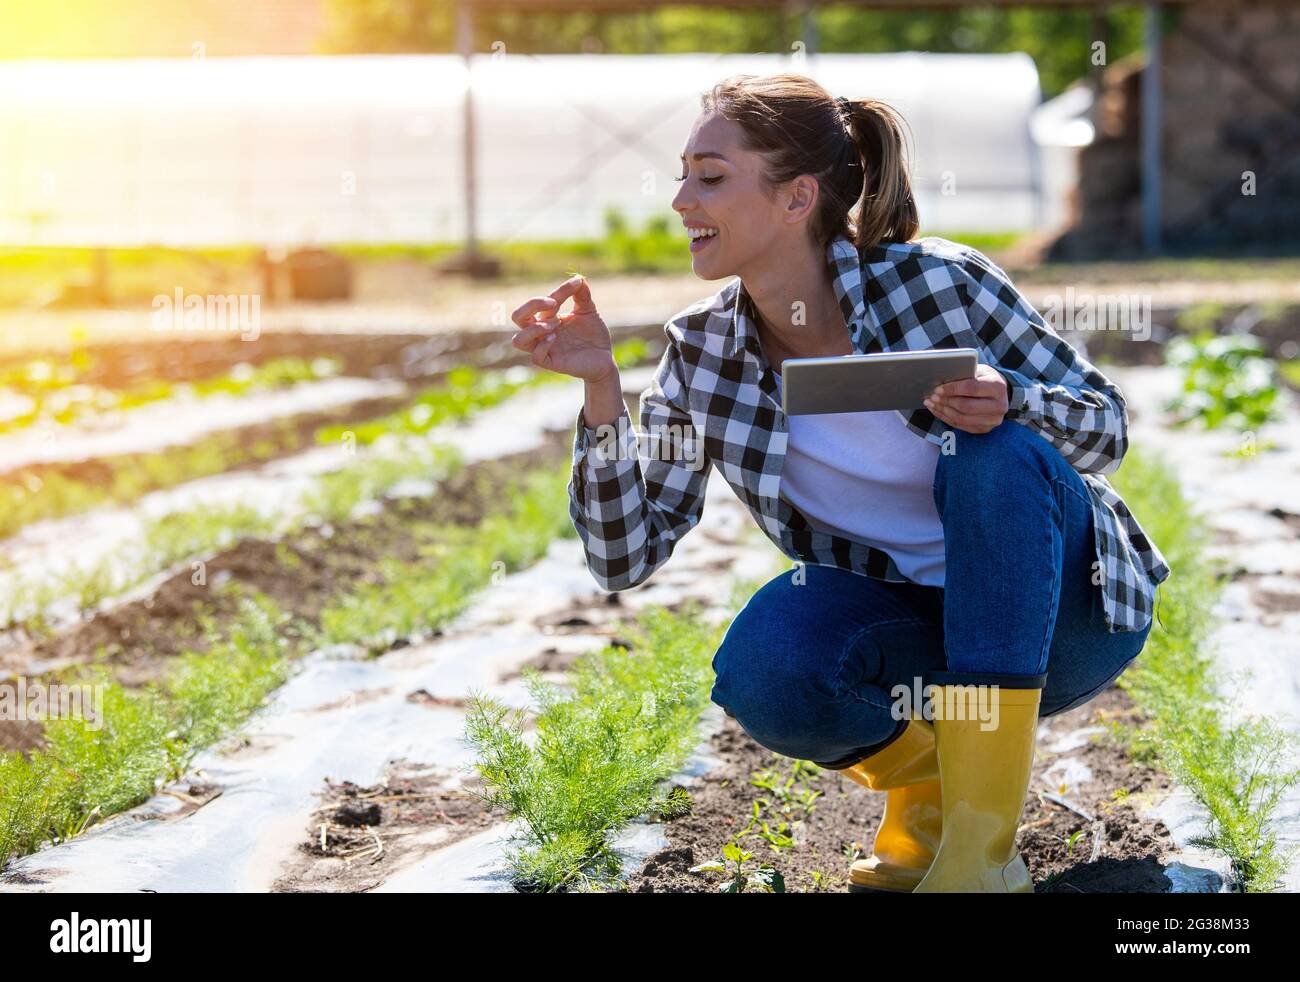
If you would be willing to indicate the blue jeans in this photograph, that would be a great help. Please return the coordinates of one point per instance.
(808, 668)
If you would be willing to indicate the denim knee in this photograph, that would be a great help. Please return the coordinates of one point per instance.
(981, 461)
(1048, 709)
(774, 707)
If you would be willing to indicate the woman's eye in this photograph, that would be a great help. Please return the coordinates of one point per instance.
(703, 180)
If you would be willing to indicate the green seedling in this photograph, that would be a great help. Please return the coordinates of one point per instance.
(743, 878)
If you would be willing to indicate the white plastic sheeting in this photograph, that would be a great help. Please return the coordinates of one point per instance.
(370, 148)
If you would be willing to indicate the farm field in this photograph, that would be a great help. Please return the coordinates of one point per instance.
(311, 577)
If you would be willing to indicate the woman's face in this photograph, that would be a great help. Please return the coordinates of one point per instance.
(722, 193)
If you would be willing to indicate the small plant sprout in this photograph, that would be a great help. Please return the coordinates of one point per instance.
(743, 878)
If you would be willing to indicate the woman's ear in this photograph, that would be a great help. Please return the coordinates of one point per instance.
(801, 200)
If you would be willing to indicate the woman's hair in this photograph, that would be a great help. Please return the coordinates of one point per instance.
(801, 129)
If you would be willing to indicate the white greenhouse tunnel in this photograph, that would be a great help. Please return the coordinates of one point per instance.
(288, 151)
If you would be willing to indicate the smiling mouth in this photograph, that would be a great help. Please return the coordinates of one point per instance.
(701, 237)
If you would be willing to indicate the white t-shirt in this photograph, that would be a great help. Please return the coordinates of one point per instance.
(867, 477)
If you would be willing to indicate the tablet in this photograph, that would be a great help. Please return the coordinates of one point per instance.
(869, 383)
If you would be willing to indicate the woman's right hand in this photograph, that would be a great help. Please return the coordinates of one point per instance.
(576, 343)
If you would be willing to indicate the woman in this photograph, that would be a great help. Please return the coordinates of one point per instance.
(969, 549)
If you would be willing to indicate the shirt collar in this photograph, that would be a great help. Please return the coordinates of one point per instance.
(845, 265)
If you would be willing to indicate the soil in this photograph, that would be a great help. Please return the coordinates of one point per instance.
(372, 831)
(846, 815)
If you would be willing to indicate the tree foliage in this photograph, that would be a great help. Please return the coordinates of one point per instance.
(1061, 42)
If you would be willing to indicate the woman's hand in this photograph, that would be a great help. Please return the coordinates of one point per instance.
(975, 405)
(576, 343)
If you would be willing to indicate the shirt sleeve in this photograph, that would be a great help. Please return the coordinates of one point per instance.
(1051, 387)
(631, 509)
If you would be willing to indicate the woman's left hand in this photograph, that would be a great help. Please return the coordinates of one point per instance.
(975, 405)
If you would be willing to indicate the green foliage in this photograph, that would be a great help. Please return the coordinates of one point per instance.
(744, 878)
(600, 747)
(1227, 380)
(1059, 41)
(654, 249)
(145, 737)
(58, 397)
(1236, 771)
(415, 597)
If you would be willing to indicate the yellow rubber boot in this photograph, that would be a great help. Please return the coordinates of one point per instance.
(907, 770)
(984, 775)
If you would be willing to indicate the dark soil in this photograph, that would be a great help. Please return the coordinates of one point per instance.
(371, 832)
(845, 817)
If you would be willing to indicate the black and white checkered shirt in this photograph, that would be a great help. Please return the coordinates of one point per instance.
(631, 503)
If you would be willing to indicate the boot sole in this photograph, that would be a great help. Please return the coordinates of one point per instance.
(859, 888)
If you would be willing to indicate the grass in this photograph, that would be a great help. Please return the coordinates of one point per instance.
(149, 736)
(1235, 768)
(136, 275)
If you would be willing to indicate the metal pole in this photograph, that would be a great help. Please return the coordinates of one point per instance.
(465, 45)
(1151, 126)
(810, 29)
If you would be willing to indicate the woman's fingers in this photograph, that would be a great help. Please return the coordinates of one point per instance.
(525, 313)
(543, 351)
(969, 406)
(576, 287)
(527, 339)
(971, 423)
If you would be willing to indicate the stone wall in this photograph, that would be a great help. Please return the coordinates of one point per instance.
(1231, 104)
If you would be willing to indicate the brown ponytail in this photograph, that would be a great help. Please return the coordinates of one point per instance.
(849, 147)
(888, 207)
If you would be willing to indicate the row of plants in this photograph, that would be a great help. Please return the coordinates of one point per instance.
(145, 738)
(1235, 766)
(35, 494)
(38, 603)
(149, 735)
(53, 396)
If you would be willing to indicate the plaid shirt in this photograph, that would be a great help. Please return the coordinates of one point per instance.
(630, 507)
